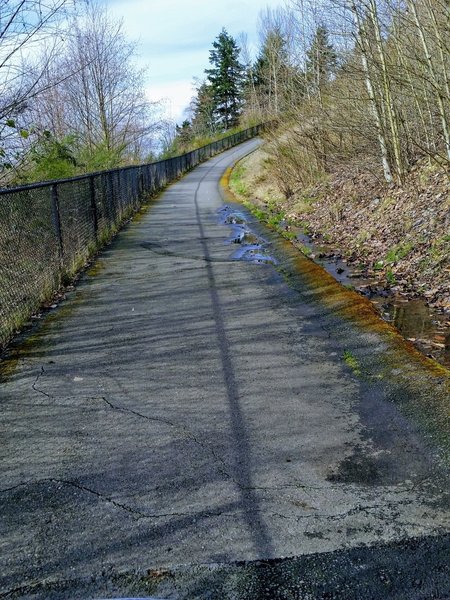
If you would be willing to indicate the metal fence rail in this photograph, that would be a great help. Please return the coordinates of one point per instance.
(48, 230)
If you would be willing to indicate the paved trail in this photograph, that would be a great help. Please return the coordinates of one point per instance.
(186, 408)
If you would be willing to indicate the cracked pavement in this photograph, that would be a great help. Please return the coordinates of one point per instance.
(184, 408)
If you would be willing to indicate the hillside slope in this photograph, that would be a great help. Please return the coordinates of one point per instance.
(398, 235)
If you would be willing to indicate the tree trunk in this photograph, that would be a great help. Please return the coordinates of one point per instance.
(440, 96)
(372, 99)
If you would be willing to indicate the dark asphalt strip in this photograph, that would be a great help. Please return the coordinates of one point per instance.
(416, 569)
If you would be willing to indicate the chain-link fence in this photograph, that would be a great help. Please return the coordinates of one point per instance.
(49, 230)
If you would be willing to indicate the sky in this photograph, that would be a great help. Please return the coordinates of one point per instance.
(175, 37)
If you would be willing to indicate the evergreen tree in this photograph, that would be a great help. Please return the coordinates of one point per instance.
(203, 108)
(226, 80)
(321, 61)
(183, 134)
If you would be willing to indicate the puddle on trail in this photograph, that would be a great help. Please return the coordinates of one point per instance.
(427, 328)
(249, 247)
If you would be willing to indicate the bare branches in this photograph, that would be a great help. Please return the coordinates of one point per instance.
(69, 81)
(387, 94)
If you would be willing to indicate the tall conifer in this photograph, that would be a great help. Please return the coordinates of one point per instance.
(225, 78)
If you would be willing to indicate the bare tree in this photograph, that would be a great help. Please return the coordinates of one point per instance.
(26, 28)
(363, 41)
(277, 71)
(101, 101)
(385, 103)
(437, 64)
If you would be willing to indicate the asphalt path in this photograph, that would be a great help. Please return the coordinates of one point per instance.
(186, 421)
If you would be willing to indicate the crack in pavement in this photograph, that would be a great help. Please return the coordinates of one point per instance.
(181, 429)
(15, 487)
(139, 514)
(352, 511)
(134, 412)
(222, 469)
(401, 491)
(360, 509)
(36, 381)
(206, 446)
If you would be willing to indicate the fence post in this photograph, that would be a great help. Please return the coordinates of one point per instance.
(57, 219)
(93, 205)
(142, 189)
(110, 198)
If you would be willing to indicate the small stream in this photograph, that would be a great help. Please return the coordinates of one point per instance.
(427, 328)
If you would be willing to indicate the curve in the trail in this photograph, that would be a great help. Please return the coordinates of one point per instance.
(188, 405)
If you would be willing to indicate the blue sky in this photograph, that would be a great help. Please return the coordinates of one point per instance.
(175, 37)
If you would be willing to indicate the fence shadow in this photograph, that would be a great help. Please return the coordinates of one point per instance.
(50, 229)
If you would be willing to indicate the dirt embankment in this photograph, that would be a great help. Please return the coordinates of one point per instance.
(399, 236)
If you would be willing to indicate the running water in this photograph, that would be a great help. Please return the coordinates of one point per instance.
(427, 328)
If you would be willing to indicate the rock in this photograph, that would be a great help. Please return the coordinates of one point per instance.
(438, 345)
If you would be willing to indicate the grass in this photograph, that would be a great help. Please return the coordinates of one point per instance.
(289, 235)
(236, 180)
(390, 277)
(271, 215)
(398, 252)
(304, 249)
(275, 219)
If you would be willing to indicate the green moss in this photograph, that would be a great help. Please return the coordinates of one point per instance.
(96, 268)
(352, 362)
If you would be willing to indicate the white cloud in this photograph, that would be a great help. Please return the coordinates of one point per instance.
(186, 22)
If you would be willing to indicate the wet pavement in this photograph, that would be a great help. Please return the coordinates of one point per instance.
(250, 247)
(208, 416)
(428, 328)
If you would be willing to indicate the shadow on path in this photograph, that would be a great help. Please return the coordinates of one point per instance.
(242, 469)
